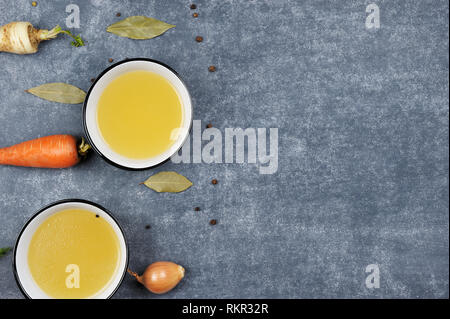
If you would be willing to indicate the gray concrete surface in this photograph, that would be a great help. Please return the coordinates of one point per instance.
(363, 145)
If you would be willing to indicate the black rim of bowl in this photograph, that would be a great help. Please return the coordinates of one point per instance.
(71, 200)
(86, 131)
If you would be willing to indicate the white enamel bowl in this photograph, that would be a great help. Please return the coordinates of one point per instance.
(91, 103)
(22, 272)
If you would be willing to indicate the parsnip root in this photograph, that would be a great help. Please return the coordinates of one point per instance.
(23, 38)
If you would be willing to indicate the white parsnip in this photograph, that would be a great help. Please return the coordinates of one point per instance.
(22, 38)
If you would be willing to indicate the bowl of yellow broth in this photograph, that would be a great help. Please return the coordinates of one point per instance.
(71, 249)
(137, 114)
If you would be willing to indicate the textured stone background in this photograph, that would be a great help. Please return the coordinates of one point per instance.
(363, 133)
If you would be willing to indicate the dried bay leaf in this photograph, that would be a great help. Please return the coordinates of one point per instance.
(169, 182)
(59, 92)
(139, 27)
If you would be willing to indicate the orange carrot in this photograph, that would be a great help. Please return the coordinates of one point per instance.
(55, 151)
